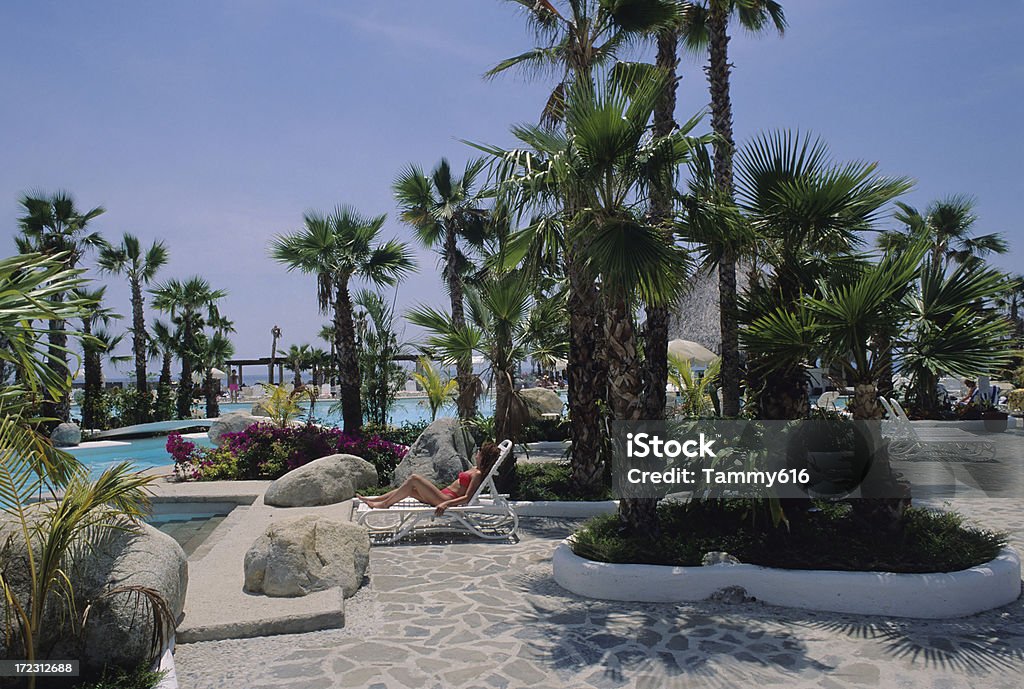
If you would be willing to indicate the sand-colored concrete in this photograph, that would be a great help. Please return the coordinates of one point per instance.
(216, 607)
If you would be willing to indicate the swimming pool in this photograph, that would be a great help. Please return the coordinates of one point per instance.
(144, 453)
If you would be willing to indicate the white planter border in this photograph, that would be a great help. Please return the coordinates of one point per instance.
(567, 509)
(930, 596)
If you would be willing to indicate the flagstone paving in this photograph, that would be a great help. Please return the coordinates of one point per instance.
(472, 614)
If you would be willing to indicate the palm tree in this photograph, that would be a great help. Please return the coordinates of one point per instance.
(162, 346)
(505, 326)
(948, 225)
(706, 27)
(382, 376)
(337, 248)
(656, 365)
(191, 304)
(140, 268)
(439, 389)
(52, 225)
(326, 333)
(212, 351)
(297, 358)
(587, 35)
(809, 212)
(93, 347)
(608, 168)
(445, 211)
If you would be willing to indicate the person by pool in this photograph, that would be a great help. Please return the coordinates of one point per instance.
(457, 493)
(233, 386)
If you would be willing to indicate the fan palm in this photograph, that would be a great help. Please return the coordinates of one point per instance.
(609, 167)
(140, 267)
(53, 225)
(505, 326)
(162, 346)
(706, 28)
(212, 351)
(297, 358)
(807, 211)
(948, 225)
(191, 304)
(584, 36)
(445, 211)
(337, 248)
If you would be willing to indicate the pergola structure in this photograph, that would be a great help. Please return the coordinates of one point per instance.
(237, 364)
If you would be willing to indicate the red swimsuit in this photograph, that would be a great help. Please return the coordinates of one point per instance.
(464, 480)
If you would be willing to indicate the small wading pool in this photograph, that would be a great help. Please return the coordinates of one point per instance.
(189, 523)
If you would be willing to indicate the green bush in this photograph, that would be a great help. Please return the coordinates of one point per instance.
(405, 434)
(113, 678)
(828, 538)
(549, 481)
(549, 430)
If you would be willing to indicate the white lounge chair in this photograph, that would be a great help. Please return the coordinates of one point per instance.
(827, 400)
(944, 440)
(488, 514)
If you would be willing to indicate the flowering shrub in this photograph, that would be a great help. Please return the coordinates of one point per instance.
(264, 451)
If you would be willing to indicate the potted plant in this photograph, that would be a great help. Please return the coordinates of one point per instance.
(985, 407)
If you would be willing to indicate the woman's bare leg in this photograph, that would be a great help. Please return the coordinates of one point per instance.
(417, 487)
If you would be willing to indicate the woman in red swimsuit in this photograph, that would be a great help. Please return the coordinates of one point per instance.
(457, 493)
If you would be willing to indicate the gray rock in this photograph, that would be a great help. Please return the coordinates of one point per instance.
(732, 595)
(309, 554)
(235, 422)
(323, 481)
(66, 435)
(258, 410)
(119, 627)
(540, 401)
(718, 558)
(439, 454)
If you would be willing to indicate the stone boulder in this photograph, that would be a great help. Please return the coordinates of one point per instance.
(540, 401)
(439, 454)
(258, 410)
(66, 435)
(309, 554)
(119, 627)
(235, 422)
(323, 481)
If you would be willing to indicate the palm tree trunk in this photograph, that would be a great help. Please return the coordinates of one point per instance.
(638, 516)
(466, 400)
(212, 403)
(142, 411)
(655, 371)
(163, 389)
(184, 401)
(884, 495)
(721, 122)
(60, 407)
(297, 379)
(348, 360)
(92, 403)
(586, 379)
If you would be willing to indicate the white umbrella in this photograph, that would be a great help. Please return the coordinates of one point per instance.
(560, 364)
(695, 352)
(200, 376)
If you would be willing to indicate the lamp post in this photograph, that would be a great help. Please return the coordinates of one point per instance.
(275, 332)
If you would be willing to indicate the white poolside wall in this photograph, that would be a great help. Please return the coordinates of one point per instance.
(931, 596)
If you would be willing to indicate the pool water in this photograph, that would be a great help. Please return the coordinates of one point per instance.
(144, 453)
(187, 523)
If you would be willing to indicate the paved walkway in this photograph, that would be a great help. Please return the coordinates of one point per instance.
(470, 614)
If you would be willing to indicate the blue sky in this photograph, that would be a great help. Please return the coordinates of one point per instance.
(214, 124)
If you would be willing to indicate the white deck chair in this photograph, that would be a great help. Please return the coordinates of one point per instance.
(325, 391)
(827, 400)
(946, 441)
(488, 514)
